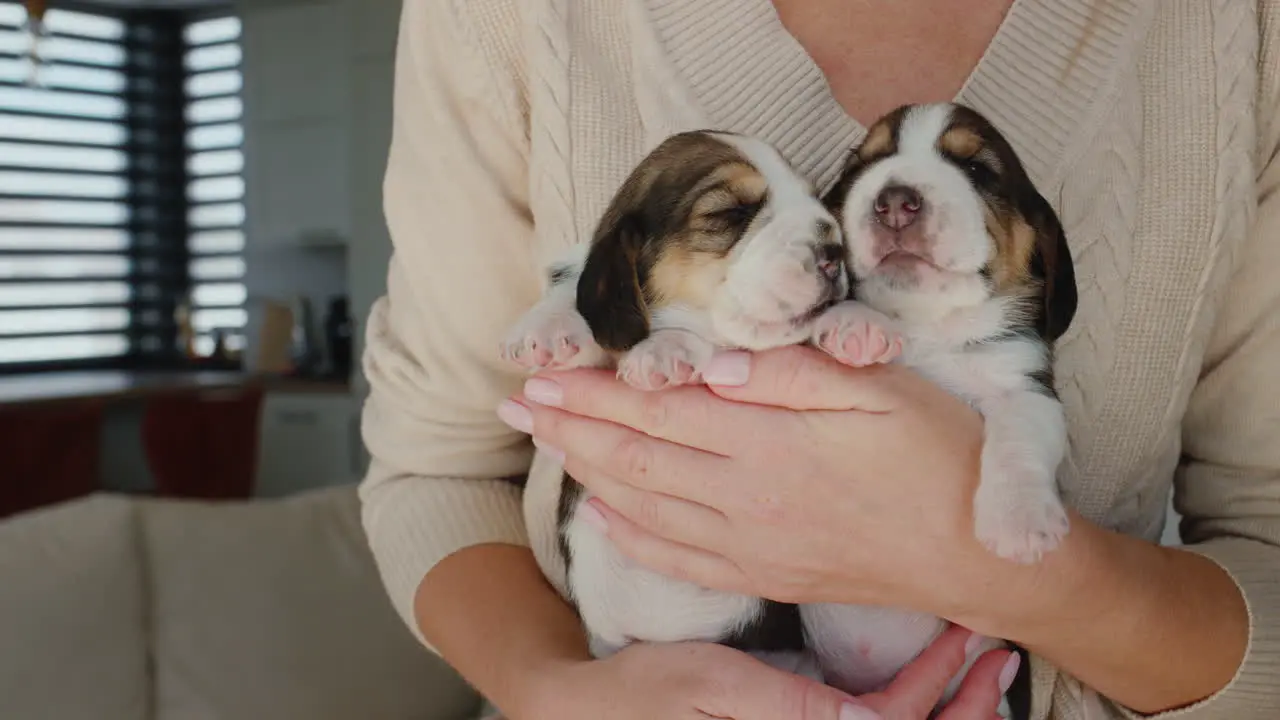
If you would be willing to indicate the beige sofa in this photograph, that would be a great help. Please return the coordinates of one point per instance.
(114, 608)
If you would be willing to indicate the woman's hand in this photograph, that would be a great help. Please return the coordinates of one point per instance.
(807, 481)
(824, 483)
(699, 681)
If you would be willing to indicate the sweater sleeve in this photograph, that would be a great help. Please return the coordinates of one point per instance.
(1228, 486)
(462, 271)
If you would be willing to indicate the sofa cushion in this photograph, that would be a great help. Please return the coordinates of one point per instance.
(274, 610)
(72, 613)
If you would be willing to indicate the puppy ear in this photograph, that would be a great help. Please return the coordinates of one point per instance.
(611, 289)
(1051, 265)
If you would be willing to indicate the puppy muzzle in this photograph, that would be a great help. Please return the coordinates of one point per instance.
(913, 216)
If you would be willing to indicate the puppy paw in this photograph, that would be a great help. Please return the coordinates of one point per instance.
(665, 359)
(856, 335)
(550, 341)
(1019, 517)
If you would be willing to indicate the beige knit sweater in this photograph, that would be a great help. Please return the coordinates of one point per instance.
(1151, 125)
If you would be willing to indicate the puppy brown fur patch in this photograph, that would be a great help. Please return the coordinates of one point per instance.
(1030, 257)
(880, 141)
(686, 277)
(693, 262)
(1013, 242)
(961, 141)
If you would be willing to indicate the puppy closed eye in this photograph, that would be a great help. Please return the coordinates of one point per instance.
(738, 214)
(732, 215)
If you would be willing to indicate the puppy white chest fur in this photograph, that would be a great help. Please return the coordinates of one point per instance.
(620, 601)
(969, 353)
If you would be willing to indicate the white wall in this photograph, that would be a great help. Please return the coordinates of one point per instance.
(318, 85)
(373, 75)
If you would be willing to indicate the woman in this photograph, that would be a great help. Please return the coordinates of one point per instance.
(1151, 127)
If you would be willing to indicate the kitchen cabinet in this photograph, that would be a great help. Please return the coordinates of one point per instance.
(298, 180)
(298, 119)
(308, 440)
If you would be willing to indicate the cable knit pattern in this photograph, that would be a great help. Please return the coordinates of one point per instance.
(551, 187)
(1197, 123)
(1151, 125)
(1099, 226)
(754, 88)
(1235, 82)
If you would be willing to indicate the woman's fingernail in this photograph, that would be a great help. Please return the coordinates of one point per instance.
(591, 515)
(554, 452)
(1009, 672)
(516, 415)
(728, 368)
(544, 392)
(973, 643)
(849, 711)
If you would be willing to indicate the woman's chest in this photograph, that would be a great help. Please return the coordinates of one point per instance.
(1152, 180)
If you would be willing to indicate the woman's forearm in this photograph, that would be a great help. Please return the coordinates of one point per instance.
(490, 613)
(1148, 627)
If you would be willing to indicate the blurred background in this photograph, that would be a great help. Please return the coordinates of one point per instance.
(191, 236)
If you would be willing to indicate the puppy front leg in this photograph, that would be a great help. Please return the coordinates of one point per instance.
(553, 334)
(1018, 513)
(856, 335)
(667, 358)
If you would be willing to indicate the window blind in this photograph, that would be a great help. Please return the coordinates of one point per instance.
(121, 189)
(65, 261)
(215, 190)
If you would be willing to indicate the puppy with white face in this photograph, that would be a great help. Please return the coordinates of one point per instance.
(713, 241)
(941, 217)
(949, 239)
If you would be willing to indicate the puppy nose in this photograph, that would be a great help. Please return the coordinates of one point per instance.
(829, 259)
(897, 206)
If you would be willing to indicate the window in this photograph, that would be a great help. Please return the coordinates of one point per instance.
(65, 260)
(215, 185)
(121, 194)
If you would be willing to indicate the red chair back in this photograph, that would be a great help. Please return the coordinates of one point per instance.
(203, 446)
(48, 454)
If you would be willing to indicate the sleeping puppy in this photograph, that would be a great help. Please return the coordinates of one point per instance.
(713, 241)
(950, 240)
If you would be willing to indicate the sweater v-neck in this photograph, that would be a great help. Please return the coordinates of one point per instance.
(1042, 79)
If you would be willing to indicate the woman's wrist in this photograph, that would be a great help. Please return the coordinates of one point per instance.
(491, 615)
(1019, 602)
(1152, 628)
(543, 684)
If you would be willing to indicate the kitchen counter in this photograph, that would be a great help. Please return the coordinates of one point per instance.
(110, 385)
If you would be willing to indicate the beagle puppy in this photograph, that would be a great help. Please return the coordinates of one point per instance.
(951, 242)
(713, 241)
